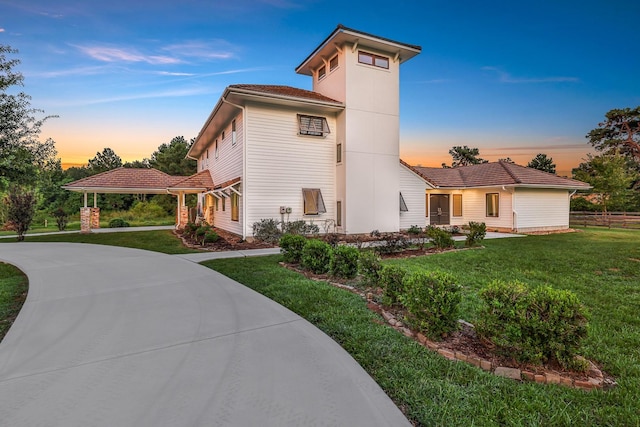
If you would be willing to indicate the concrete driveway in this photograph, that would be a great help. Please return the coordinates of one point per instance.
(113, 336)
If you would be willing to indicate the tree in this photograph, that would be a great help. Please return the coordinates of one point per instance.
(610, 176)
(171, 158)
(465, 156)
(105, 161)
(22, 154)
(507, 160)
(620, 131)
(21, 206)
(542, 163)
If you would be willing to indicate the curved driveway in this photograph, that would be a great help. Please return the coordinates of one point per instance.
(113, 336)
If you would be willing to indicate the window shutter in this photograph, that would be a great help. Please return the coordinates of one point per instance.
(403, 205)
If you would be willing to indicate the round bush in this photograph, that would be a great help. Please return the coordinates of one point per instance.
(344, 262)
(432, 299)
(292, 246)
(316, 256)
(369, 266)
(533, 325)
(118, 223)
(391, 277)
(210, 237)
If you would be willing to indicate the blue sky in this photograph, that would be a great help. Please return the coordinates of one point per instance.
(511, 78)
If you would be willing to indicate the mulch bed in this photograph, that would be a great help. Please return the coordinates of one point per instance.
(227, 242)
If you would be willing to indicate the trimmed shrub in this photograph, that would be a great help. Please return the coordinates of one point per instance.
(432, 299)
(535, 325)
(316, 256)
(477, 232)
(210, 237)
(118, 223)
(344, 262)
(440, 238)
(391, 277)
(414, 230)
(190, 228)
(266, 230)
(292, 246)
(369, 266)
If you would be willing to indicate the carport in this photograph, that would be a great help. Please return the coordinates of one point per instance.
(137, 181)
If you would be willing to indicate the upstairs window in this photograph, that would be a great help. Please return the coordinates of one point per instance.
(233, 132)
(403, 205)
(313, 201)
(339, 153)
(322, 71)
(333, 63)
(215, 149)
(373, 59)
(312, 125)
(493, 204)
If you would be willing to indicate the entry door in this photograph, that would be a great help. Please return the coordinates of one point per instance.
(439, 209)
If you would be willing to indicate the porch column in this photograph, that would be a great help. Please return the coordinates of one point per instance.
(183, 211)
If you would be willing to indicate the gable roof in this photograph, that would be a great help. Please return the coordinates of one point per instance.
(140, 181)
(495, 174)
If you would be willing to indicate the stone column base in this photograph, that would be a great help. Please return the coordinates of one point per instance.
(85, 220)
(95, 217)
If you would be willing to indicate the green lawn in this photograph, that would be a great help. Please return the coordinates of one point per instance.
(601, 266)
(160, 241)
(13, 291)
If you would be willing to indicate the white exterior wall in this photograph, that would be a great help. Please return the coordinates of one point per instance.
(280, 163)
(226, 167)
(413, 190)
(371, 146)
(474, 207)
(541, 209)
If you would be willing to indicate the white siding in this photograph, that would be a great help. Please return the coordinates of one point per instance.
(413, 190)
(226, 167)
(541, 209)
(474, 207)
(280, 163)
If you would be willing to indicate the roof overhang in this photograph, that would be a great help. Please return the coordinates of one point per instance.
(540, 186)
(116, 190)
(343, 35)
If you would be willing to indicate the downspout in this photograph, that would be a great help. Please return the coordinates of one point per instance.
(244, 164)
(514, 213)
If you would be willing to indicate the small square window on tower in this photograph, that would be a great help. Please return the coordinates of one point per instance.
(313, 201)
(313, 125)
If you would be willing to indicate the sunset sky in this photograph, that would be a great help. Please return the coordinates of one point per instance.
(511, 78)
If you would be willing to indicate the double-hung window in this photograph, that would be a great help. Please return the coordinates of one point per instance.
(235, 206)
(457, 205)
(493, 204)
(313, 125)
(313, 201)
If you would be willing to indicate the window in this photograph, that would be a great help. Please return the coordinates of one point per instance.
(372, 59)
(339, 213)
(339, 153)
(233, 132)
(207, 153)
(235, 205)
(493, 204)
(457, 205)
(403, 205)
(313, 201)
(322, 71)
(312, 125)
(223, 203)
(217, 203)
(215, 148)
(333, 63)
(222, 136)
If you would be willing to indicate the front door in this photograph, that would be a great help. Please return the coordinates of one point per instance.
(439, 209)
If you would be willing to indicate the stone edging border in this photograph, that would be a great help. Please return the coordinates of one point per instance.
(595, 378)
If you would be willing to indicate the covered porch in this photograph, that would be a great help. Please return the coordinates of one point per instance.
(138, 181)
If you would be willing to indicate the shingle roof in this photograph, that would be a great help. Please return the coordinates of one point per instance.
(494, 174)
(126, 178)
(200, 180)
(287, 91)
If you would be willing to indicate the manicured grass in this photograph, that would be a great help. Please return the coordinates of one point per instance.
(601, 266)
(13, 291)
(160, 241)
(75, 225)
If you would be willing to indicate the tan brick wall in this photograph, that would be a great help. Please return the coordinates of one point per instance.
(85, 220)
(95, 217)
(183, 216)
